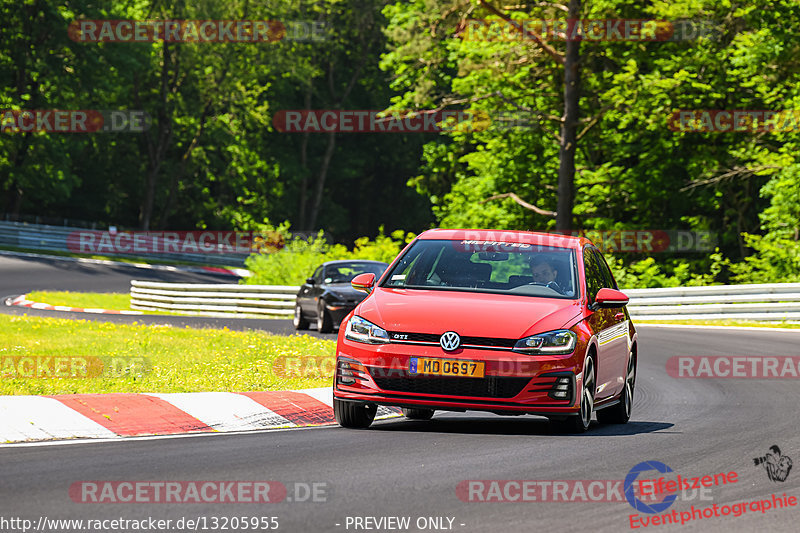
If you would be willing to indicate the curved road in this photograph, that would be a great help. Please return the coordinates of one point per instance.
(20, 275)
(411, 469)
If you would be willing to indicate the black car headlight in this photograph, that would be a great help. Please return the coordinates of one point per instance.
(558, 342)
(361, 330)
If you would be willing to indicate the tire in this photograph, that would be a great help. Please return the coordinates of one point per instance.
(298, 320)
(324, 321)
(354, 415)
(417, 414)
(621, 413)
(581, 422)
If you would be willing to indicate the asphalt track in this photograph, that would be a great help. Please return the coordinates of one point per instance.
(20, 275)
(411, 469)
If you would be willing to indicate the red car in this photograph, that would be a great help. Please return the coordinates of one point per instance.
(502, 321)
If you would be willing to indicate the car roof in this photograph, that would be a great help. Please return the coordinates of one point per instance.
(344, 261)
(506, 236)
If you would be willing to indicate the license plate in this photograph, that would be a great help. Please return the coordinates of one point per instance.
(445, 367)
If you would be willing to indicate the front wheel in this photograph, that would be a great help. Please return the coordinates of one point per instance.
(324, 320)
(580, 423)
(298, 320)
(417, 414)
(354, 415)
(621, 413)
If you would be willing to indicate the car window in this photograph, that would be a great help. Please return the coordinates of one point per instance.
(514, 268)
(594, 277)
(608, 277)
(345, 272)
(317, 275)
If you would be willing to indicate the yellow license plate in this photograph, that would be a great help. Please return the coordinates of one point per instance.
(445, 367)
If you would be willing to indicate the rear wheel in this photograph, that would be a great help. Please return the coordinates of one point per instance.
(354, 415)
(417, 414)
(298, 320)
(324, 320)
(580, 423)
(621, 413)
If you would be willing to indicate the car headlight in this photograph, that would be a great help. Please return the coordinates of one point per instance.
(558, 342)
(361, 330)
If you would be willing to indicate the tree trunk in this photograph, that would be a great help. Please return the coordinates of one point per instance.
(569, 127)
(302, 223)
(323, 174)
(156, 151)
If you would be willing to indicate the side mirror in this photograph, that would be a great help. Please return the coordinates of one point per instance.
(607, 298)
(310, 281)
(363, 282)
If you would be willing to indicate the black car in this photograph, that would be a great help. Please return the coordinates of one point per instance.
(327, 296)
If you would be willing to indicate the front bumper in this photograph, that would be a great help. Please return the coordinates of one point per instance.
(513, 383)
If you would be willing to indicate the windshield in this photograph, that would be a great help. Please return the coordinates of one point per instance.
(525, 269)
(345, 272)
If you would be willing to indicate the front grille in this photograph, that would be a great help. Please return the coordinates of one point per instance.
(488, 387)
(491, 342)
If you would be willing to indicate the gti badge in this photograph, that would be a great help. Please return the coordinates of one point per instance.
(450, 341)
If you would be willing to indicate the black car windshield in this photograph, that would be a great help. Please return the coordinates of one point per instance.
(345, 272)
(520, 269)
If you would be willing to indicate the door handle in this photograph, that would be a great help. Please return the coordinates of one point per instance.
(619, 316)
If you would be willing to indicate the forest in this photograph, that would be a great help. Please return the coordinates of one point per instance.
(593, 115)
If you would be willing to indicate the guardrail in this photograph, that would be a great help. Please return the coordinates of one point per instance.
(54, 239)
(220, 300)
(776, 302)
(764, 302)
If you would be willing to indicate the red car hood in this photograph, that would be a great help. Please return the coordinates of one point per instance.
(466, 313)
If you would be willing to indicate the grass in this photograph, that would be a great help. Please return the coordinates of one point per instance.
(113, 301)
(87, 300)
(176, 359)
(731, 323)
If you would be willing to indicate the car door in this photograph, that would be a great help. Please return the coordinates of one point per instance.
(602, 323)
(616, 338)
(307, 294)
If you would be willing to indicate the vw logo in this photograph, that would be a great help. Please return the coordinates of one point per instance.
(450, 341)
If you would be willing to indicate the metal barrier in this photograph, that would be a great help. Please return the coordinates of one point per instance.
(54, 239)
(776, 302)
(772, 302)
(223, 300)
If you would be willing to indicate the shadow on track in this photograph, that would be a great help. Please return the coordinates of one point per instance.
(514, 426)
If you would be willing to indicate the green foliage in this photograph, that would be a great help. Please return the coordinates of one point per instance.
(774, 260)
(212, 158)
(298, 259)
(650, 273)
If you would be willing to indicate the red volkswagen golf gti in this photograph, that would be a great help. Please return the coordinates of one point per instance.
(507, 322)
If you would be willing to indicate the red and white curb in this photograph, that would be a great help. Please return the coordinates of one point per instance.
(116, 416)
(22, 301)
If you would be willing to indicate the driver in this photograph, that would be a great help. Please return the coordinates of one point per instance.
(545, 272)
